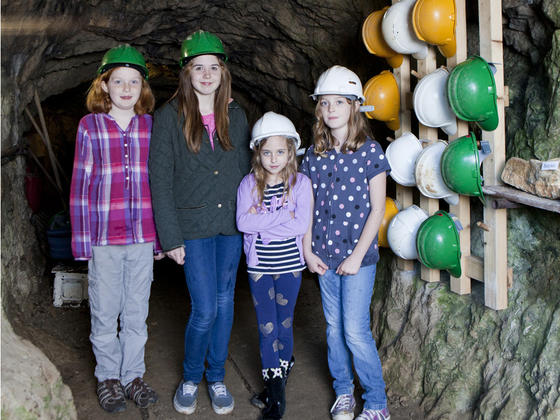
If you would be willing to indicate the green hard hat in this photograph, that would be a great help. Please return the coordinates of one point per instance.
(200, 43)
(437, 243)
(471, 90)
(460, 167)
(123, 55)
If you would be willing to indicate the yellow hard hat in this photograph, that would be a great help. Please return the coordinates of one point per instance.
(434, 23)
(391, 208)
(382, 92)
(374, 41)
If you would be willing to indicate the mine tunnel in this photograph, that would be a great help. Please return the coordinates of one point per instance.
(446, 351)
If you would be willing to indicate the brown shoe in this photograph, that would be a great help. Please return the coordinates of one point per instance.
(111, 395)
(140, 392)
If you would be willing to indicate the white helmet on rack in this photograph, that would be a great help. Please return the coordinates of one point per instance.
(398, 31)
(431, 104)
(339, 80)
(401, 155)
(428, 174)
(273, 124)
(402, 230)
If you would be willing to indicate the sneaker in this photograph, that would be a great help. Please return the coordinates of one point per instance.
(343, 407)
(111, 395)
(222, 400)
(140, 392)
(184, 400)
(369, 414)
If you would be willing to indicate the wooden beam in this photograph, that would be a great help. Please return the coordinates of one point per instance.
(518, 196)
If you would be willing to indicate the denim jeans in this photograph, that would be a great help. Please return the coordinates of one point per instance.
(346, 304)
(210, 271)
(119, 282)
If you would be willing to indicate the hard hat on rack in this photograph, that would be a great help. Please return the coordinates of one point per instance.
(437, 243)
(374, 41)
(382, 92)
(428, 173)
(339, 80)
(434, 23)
(398, 32)
(460, 166)
(273, 124)
(391, 209)
(402, 230)
(471, 90)
(401, 155)
(123, 55)
(431, 105)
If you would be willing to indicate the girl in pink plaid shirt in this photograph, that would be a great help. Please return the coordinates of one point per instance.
(112, 223)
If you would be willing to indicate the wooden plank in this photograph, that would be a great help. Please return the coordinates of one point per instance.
(495, 250)
(522, 197)
(404, 194)
(474, 267)
(461, 285)
(431, 205)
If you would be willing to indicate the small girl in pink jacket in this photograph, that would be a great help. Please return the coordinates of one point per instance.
(274, 204)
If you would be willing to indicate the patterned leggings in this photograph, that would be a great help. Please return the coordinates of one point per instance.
(274, 297)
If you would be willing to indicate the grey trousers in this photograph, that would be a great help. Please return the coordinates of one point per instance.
(119, 281)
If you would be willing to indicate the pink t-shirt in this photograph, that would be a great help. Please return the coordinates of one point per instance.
(210, 125)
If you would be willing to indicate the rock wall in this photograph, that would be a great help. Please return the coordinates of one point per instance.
(450, 353)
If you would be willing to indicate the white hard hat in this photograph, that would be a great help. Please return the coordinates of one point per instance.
(339, 80)
(428, 174)
(431, 104)
(402, 230)
(273, 124)
(398, 31)
(401, 155)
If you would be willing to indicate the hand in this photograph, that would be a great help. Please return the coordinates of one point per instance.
(177, 255)
(293, 214)
(253, 210)
(315, 264)
(159, 256)
(349, 266)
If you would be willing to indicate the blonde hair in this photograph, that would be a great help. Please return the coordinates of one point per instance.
(188, 108)
(99, 101)
(357, 131)
(289, 173)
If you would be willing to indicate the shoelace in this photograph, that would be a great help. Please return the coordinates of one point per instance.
(219, 389)
(343, 402)
(372, 415)
(189, 388)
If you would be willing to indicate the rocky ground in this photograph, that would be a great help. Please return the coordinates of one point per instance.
(62, 334)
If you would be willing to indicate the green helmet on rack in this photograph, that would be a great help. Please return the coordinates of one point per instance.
(460, 167)
(471, 90)
(201, 43)
(123, 55)
(437, 243)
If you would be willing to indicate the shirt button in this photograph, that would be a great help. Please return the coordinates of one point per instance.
(220, 205)
(216, 172)
(125, 156)
(127, 178)
(125, 145)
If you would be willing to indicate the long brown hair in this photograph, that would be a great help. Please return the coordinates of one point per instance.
(99, 101)
(357, 131)
(188, 108)
(289, 173)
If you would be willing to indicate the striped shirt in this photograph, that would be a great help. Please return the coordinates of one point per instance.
(276, 256)
(110, 200)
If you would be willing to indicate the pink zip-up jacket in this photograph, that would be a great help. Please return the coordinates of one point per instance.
(273, 224)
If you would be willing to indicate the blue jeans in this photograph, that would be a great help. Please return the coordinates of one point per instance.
(210, 272)
(346, 304)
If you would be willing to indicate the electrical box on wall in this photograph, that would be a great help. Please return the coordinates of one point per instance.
(70, 285)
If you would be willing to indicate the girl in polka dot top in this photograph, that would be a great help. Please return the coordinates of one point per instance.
(348, 173)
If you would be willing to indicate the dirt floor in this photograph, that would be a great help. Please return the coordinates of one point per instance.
(62, 334)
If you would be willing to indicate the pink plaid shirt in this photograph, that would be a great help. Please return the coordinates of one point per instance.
(110, 201)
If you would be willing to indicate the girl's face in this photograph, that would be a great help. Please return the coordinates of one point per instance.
(124, 87)
(274, 157)
(335, 111)
(206, 74)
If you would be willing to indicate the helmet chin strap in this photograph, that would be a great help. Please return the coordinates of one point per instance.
(366, 108)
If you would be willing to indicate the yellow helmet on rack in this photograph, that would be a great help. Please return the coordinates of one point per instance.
(382, 92)
(374, 41)
(392, 207)
(434, 23)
